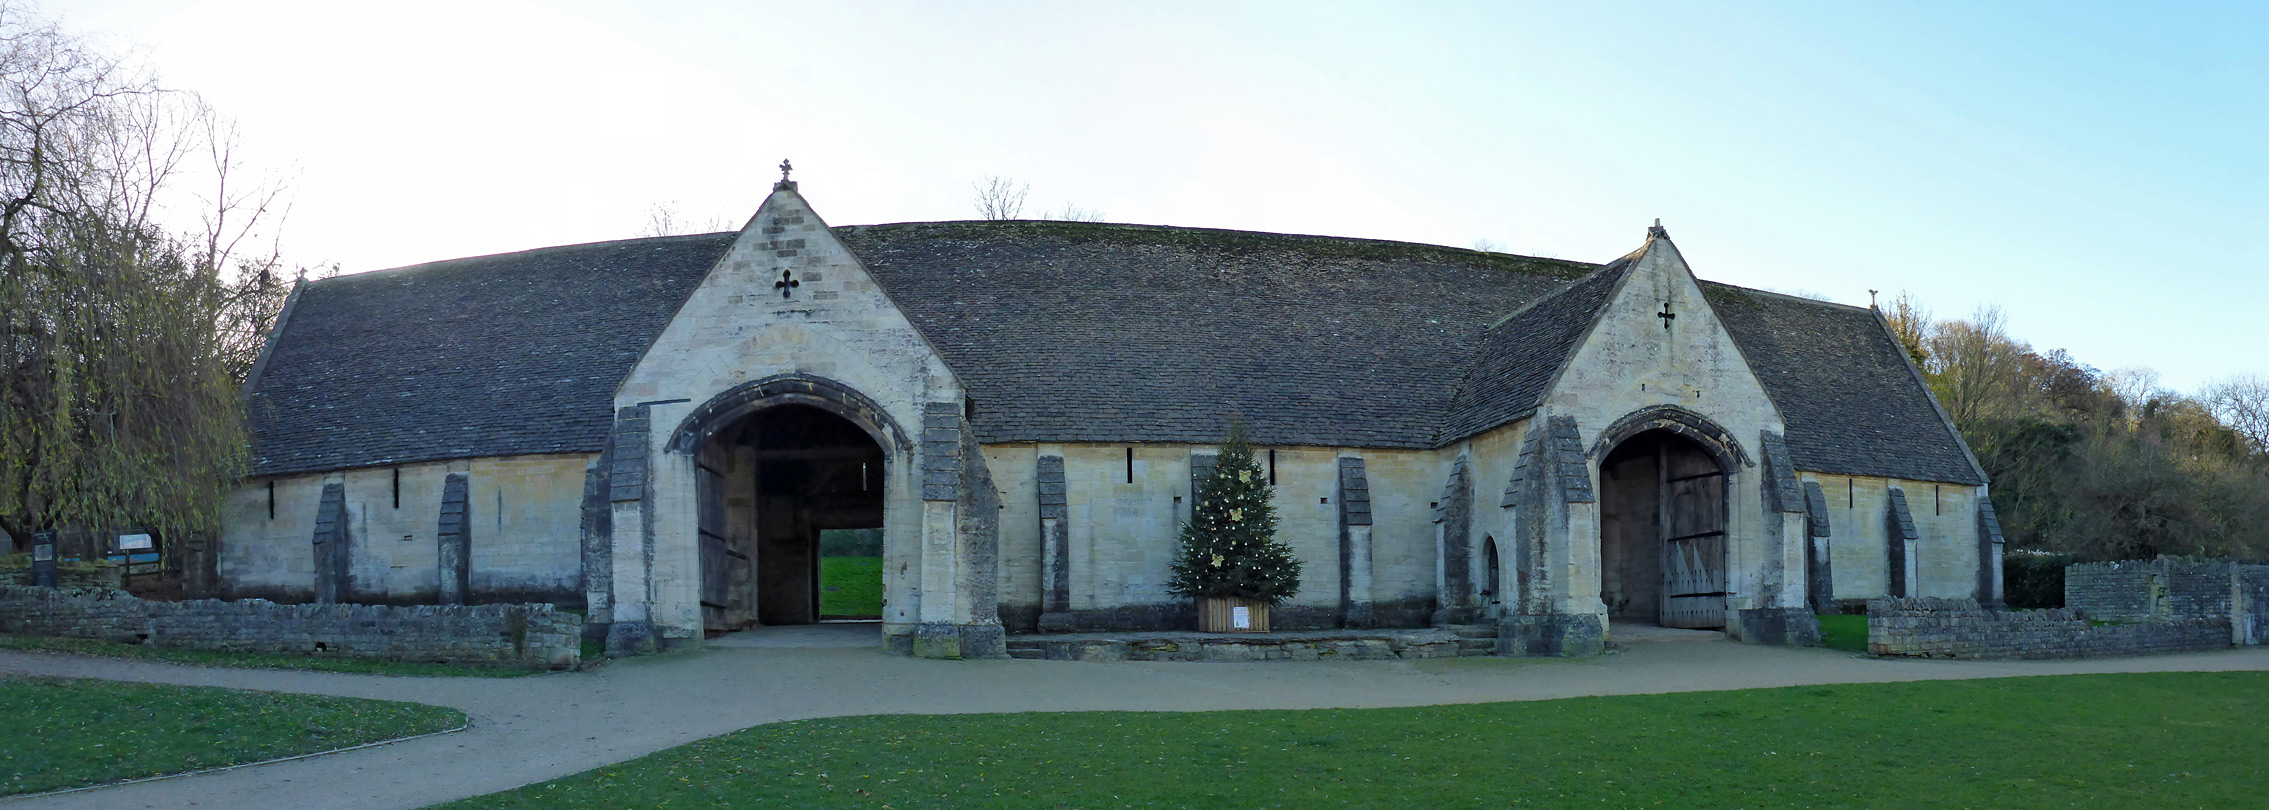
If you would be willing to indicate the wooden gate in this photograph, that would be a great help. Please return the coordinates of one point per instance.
(1693, 542)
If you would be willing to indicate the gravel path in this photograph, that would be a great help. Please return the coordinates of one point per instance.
(530, 729)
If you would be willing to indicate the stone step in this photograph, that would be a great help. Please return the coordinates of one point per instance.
(1488, 631)
(1477, 646)
(1028, 653)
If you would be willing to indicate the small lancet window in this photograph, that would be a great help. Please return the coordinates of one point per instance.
(1130, 465)
(397, 487)
(271, 500)
(1272, 467)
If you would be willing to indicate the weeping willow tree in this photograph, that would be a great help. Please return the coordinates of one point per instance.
(123, 345)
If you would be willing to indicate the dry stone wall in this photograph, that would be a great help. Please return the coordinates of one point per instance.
(2249, 619)
(2140, 590)
(1931, 627)
(531, 635)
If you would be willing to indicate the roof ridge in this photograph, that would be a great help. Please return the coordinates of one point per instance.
(1781, 295)
(527, 252)
(1571, 264)
(1541, 299)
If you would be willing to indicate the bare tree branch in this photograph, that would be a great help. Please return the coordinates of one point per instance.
(663, 219)
(1000, 198)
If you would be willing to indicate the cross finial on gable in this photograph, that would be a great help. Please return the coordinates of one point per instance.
(785, 183)
(1657, 229)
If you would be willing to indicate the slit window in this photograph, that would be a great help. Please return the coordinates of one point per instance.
(271, 500)
(397, 487)
(1130, 465)
(1851, 493)
(1937, 500)
(1272, 467)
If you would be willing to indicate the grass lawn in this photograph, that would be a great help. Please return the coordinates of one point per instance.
(850, 586)
(211, 658)
(2152, 740)
(58, 733)
(1841, 632)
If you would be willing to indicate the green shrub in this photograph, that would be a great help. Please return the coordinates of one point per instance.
(2031, 580)
(1844, 631)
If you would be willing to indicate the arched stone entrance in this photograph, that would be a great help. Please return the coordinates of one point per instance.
(770, 486)
(778, 463)
(1663, 531)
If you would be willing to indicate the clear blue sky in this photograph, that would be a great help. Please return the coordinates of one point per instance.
(2096, 170)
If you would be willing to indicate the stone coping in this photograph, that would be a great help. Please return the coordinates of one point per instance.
(1274, 635)
(1189, 645)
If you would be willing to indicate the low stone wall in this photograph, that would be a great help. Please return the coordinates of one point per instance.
(1289, 646)
(530, 635)
(2144, 590)
(2174, 588)
(1958, 628)
(68, 576)
(2249, 617)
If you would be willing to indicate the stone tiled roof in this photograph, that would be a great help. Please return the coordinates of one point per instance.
(1520, 354)
(1852, 404)
(1060, 331)
(1083, 332)
(496, 355)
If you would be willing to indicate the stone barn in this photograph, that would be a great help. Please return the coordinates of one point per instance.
(657, 430)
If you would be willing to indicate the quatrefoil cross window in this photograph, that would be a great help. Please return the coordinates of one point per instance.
(787, 284)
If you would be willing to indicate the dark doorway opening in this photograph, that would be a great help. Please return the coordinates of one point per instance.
(1662, 543)
(773, 489)
(1492, 572)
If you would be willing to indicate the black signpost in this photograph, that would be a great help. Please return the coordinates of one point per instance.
(43, 559)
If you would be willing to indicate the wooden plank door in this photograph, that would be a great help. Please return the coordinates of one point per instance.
(1693, 547)
(716, 573)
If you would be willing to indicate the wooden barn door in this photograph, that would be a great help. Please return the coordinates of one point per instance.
(1693, 539)
(716, 573)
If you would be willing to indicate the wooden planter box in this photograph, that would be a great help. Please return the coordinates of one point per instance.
(1222, 614)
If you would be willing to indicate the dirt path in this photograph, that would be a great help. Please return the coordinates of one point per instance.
(531, 729)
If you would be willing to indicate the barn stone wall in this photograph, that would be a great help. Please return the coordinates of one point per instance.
(1945, 518)
(1120, 536)
(521, 517)
(1929, 627)
(531, 635)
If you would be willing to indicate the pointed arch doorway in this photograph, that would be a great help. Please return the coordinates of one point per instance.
(1663, 532)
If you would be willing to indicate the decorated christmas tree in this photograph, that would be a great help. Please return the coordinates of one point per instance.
(1229, 547)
